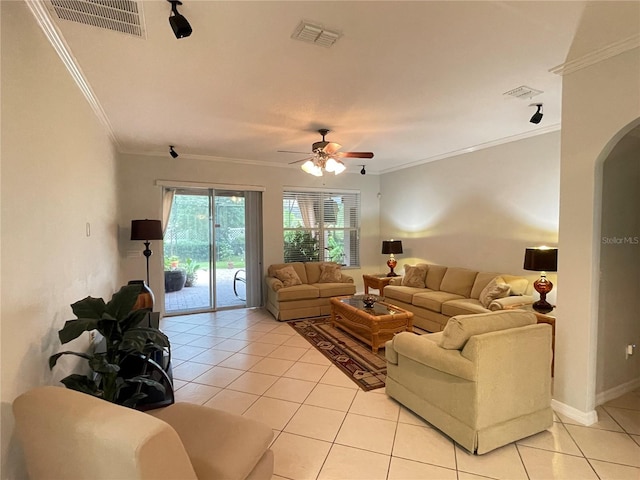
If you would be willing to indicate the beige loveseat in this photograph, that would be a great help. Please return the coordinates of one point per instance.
(434, 293)
(71, 435)
(485, 381)
(289, 298)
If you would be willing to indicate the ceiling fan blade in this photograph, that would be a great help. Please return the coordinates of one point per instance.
(289, 151)
(354, 154)
(331, 148)
(301, 160)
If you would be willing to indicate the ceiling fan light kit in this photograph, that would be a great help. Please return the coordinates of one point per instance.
(325, 157)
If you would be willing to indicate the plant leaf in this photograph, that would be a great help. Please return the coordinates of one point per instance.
(143, 340)
(109, 329)
(133, 319)
(134, 399)
(81, 383)
(100, 364)
(148, 382)
(123, 301)
(88, 307)
(74, 328)
(53, 359)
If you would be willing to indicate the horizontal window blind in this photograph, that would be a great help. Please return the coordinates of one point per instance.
(321, 226)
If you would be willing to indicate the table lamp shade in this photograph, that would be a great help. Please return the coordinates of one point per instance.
(391, 246)
(541, 259)
(146, 230)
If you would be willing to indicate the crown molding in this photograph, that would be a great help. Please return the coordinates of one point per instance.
(596, 56)
(43, 18)
(481, 146)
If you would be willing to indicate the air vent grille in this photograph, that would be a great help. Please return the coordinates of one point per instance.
(316, 34)
(523, 92)
(124, 16)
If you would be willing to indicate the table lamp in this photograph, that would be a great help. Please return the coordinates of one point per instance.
(391, 247)
(541, 259)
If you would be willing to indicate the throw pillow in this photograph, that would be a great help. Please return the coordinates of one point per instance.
(414, 276)
(495, 289)
(330, 273)
(518, 284)
(288, 276)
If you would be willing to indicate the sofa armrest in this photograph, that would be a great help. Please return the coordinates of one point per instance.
(429, 353)
(346, 278)
(219, 444)
(274, 284)
(396, 281)
(513, 301)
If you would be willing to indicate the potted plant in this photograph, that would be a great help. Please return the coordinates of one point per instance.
(190, 270)
(126, 342)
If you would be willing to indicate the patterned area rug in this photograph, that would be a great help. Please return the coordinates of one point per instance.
(354, 358)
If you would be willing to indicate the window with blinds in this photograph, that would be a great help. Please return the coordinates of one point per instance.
(321, 226)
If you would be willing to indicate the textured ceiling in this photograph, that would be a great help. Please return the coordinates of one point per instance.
(410, 81)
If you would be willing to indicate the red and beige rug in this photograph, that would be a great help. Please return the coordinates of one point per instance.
(354, 358)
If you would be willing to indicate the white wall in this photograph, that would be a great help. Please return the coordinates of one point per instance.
(478, 210)
(141, 198)
(619, 295)
(601, 103)
(58, 173)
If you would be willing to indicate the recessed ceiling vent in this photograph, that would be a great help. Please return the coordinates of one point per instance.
(316, 34)
(523, 92)
(124, 16)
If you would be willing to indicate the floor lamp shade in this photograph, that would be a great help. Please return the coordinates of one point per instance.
(542, 259)
(146, 230)
(391, 247)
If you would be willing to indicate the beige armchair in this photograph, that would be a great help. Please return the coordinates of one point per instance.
(485, 380)
(70, 435)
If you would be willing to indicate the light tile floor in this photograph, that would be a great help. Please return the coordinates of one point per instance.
(325, 427)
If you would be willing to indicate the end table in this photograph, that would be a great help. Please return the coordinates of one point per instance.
(377, 281)
(543, 318)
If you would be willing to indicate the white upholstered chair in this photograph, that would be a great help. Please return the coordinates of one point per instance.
(70, 435)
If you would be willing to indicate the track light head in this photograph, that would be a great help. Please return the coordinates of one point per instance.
(363, 171)
(179, 24)
(538, 115)
(172, 152)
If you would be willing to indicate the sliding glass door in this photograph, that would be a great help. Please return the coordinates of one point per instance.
(205, 250)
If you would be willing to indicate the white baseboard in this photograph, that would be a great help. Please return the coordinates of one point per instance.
(584, 418)
(615, 392)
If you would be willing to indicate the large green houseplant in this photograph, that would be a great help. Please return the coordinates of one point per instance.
(124, 336)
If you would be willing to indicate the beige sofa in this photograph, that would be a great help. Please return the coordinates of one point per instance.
(71, 435)
(448, 291)
(485, 381)
(309, 298)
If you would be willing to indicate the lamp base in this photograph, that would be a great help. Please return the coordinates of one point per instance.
(542, 286)
(146, 299)
(391, 263)
(542, 306)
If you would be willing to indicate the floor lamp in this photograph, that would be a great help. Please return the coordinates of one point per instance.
(146, 230)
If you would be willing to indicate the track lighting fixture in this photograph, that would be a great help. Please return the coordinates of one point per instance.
(538, 115)
(363, 171)
(179, 24)
(172, 152)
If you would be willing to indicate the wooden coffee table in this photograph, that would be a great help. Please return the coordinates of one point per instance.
(373, 326)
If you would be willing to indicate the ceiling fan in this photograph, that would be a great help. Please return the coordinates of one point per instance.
(325, 156)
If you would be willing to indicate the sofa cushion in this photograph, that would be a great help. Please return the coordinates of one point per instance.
(495, 289)
(459, 281)
(297, 266)
(326, 290)
(434, 276)
(313, 271)
(330, 273)
(297, 292)
(414, 276)
(461, 328)
(463, 306)
(288, 276)
(433, 300)
(482, 280)
(403, 294)
(518, 284)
